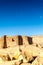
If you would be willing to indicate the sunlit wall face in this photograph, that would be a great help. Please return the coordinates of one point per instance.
(21, 17)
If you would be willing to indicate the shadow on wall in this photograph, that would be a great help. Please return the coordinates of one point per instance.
(20, 40)
(30, 40)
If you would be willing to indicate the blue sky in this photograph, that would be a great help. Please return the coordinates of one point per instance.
(21, 17)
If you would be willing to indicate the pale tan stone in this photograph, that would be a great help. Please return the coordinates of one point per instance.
(25, 54)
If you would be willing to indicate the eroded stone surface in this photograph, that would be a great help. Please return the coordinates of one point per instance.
(21, 50)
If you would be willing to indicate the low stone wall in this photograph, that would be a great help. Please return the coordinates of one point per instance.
(8, 41)
(37, 39)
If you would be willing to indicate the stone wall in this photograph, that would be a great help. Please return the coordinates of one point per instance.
(8, 41)
(37, 39)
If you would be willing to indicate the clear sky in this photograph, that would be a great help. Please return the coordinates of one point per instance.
(21, 17)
